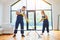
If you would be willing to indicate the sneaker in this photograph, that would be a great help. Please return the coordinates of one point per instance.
(14, 35)
(41, 33)
(23, 36)
(48, 33)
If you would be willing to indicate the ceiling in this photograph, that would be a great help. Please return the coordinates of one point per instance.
(7, 1)
(3, 1)
(10, 1)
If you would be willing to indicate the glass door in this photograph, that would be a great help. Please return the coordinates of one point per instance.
(31, 25)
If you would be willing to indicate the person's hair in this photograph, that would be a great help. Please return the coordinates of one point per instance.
(23, 7)
(43, 12)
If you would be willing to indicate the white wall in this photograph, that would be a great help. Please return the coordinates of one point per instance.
(1, 12)
(6, 11)
(55, 11)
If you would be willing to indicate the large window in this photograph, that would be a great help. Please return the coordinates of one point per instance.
(37, 5)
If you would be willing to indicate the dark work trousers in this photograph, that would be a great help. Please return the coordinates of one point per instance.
(19, 21)
(45, 25)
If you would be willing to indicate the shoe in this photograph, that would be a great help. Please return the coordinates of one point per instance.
(48, 33)
(23, 36)
(41, 33)
(14, 35)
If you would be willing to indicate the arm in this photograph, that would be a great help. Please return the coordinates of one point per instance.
(41, 20)
(17, 13)
(46, 17)
(26, 18)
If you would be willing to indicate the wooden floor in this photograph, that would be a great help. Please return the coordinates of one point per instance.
(53, 35)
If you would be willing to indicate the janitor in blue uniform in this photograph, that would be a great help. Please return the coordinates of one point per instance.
(45, 22)
(20, 13)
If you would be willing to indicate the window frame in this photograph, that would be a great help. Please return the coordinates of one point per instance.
(35, 9)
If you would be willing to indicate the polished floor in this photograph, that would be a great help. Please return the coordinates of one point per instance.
(53, 35)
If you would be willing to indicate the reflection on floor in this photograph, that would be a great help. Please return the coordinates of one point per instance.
(53, 35)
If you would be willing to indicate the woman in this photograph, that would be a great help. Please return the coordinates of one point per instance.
(45, 22)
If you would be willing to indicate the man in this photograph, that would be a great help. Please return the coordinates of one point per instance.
(20, 13)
